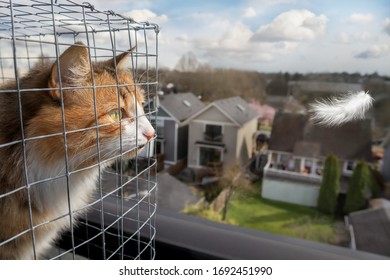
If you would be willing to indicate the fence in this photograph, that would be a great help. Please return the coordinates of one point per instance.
(77, 86)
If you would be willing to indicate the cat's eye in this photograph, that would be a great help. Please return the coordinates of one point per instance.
(115, 115)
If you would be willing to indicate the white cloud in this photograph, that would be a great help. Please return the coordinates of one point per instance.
(118, 6)
(346, 38)
(234, 44)
(146, 15)
(293, 25)
(343, 38)
(271, 2)
(375, 51)
(359, 18)
(249, 13)
(386, 26)
(235, 37)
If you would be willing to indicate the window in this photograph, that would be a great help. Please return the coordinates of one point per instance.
(320, 167)
(298, 163)
(186, 103)
(213, 133)
(291, 165)
(348, 166)
(160, 146)
(308, 166)
(208, 155)
(274, 159)
(283, 162)
(240, 107)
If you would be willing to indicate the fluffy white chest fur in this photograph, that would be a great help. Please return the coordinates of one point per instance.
(63, 199)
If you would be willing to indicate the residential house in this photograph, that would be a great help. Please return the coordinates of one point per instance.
(172, 128)
(297, 151)
(222, 132)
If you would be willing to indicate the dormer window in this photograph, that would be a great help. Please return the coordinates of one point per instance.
(186, 103)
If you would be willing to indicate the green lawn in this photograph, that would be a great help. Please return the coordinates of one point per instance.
(248, 209)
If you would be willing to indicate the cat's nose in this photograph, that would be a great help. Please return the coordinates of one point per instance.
(149, 134)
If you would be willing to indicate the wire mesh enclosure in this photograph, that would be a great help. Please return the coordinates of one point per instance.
(77, 165)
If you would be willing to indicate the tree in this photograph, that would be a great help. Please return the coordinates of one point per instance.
(187, 63)
(229, 182)
(357, 188)
(375, 182)
(330, 186)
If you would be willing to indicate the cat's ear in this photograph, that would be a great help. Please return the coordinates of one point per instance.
(120, 60)
(74, 67)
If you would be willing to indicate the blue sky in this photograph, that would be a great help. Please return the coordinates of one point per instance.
(270, 35)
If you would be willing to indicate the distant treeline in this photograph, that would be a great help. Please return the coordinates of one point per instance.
(212, 84)
(215, 84)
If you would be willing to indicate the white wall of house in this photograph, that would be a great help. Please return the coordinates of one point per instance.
(289, 191)
(196, 133)
(299, 182)
(230, 140)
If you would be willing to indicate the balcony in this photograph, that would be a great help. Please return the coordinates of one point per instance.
(209, 137)
(290, 175)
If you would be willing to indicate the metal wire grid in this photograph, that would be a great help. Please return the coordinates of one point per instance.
(36, 31)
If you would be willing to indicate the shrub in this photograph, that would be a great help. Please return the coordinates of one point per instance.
(375, 183)
(357, 188)
(330, 186)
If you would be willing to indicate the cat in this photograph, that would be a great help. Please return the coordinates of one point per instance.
(44, 97)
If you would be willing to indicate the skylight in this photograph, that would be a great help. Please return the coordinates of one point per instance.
(240, 107)
(187, 103)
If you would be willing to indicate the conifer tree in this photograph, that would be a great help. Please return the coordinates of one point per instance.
(330, 186)
(357, 188)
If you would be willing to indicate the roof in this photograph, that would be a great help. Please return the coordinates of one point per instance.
(307, 149)
(291, 132)
(371, 229)
(237, 109)
(173, 194)
(181, 106)
(316, 86)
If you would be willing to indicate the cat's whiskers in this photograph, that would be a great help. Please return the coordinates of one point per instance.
(105, 153)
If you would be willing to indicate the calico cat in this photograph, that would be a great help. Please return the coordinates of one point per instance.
(26, 174)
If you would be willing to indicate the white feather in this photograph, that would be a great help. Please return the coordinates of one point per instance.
(338, 110)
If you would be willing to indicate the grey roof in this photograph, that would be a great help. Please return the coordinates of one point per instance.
(307, 149)
(371, 229)
(316, 86)
(237, 109)
(350, 141)
(181, 105)
(173, 194)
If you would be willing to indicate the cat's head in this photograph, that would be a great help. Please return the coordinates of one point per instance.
(100, 109)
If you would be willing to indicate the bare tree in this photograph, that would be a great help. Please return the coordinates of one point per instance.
(187, 63)
(229, 182)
